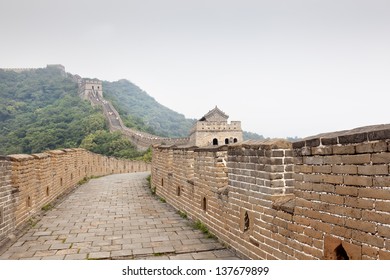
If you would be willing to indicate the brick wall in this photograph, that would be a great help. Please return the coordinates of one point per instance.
(327, 197)
(343, 192)
(29, 182)
(231, 189)
(6, 200)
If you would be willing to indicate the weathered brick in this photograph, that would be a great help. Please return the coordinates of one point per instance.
(384, 255)
(384, 231)
(382, 206)
(334, 199)
(286, 249)
(313, 142)
(379, 134)
(314, 178)
(332, 219)
(314, 233)
(332, 179)
(344, 150)
(381, 158)
(303, 186)
(313, 160)
(329, 188)
(326, 169)
(382, 182)
(371, 147)
(357, 180)
(321, 226)
(341, 231)
(368, 238)
(344, 169)
(353, 138)
(359, 202)
(335, 159)
(356, 159)
(302, 238)
(323, 150)
(312, 251)
(374, 193)
(346, 190)
(305, 220)
(373, 170)
(352, 212)
(361, 225)
(369, 251)
(382, 218)
(329, 141)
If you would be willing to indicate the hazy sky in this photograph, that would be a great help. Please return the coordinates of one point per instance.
(284, 68)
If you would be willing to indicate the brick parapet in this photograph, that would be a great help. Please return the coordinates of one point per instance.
(29, 182)
(327, 197)
(342, 188)
(6, 199)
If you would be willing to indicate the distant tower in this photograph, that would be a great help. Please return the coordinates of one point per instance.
(214, 129)
(92, 88)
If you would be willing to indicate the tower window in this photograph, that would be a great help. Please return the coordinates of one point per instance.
(215, 142)
(235, 140)
(226, 141)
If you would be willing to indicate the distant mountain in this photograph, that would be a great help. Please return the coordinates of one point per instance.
(40, 110)
(251, 135)
(135, 106)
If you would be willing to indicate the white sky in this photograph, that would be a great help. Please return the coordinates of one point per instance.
(284, 68)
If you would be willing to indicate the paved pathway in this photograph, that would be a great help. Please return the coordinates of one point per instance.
(114, 217)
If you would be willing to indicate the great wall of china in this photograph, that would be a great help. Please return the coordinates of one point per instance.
(326, 197)
(92, 91)
(30, 182)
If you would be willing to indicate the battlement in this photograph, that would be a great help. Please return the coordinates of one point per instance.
(325, 197)
(216, 126)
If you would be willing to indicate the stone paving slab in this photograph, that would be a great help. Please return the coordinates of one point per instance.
(114, 217)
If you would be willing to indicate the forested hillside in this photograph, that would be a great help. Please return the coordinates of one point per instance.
(137, 107)
(41, 110)
(143, 112)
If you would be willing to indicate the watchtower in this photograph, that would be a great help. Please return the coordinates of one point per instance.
(91, 88)
(214, 129)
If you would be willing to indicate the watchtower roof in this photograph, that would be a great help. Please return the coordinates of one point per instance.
(215, 113)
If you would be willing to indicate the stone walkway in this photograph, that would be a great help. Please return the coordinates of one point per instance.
(114, 217)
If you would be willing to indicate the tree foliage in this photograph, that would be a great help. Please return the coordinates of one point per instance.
(41, 110)
(110, 143)
(136, 107)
